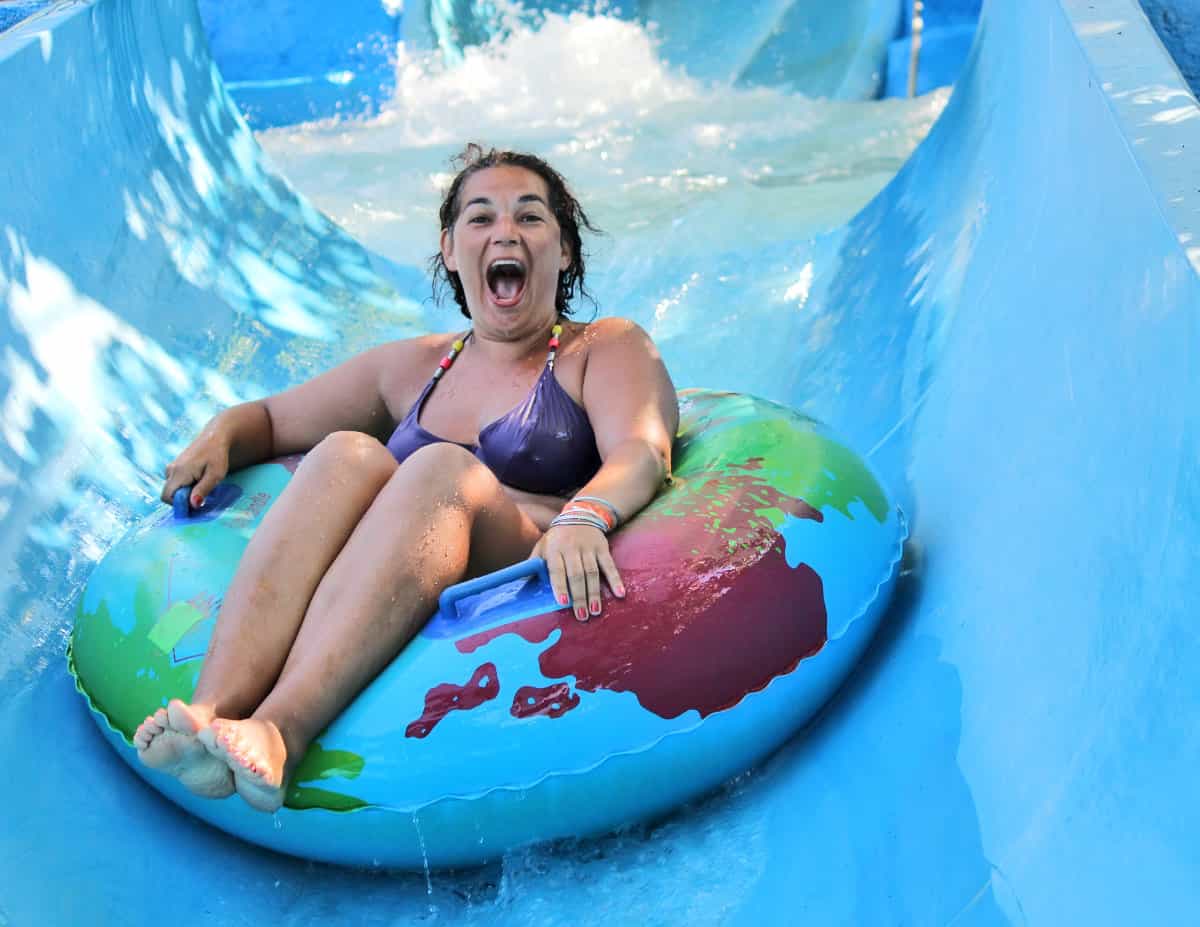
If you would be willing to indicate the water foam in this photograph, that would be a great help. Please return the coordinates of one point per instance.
(644, 144)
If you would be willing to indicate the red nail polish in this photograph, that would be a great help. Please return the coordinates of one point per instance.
(620, 591)
(581, 612)
(595, 607)
(562, 600)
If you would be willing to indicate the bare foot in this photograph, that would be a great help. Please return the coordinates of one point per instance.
(255, 752)
(166, 741)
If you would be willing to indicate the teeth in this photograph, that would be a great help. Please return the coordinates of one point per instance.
(506, 278)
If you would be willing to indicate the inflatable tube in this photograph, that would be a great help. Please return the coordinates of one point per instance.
(754, 583)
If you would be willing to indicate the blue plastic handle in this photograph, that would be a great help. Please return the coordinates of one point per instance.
(450, 597)
(181, 502)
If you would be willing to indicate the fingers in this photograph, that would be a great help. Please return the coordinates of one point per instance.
(609, 568)
(180, 475)
(202, 477)
(206, 484)
(173, 481)
(577, 583)
(568, 579)
(576, 558)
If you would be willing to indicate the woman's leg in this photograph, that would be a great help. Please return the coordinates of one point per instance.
(299, 538)
(443, 516)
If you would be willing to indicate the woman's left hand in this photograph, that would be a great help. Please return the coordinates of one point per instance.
(576, 556)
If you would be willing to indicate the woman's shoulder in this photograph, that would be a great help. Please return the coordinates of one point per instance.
(611, 330)
(405, 353)
(614, 336)
(409, 361)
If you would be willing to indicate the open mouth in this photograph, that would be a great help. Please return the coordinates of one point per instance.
(506, 281)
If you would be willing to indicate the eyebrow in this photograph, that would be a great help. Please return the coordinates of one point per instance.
(523, 198)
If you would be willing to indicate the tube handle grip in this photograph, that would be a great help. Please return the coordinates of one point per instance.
(452, 595)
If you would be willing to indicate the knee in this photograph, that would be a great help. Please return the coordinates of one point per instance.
(353, 453)
(446, 470)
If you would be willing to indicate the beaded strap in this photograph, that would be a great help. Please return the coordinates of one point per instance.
(455, 350)
(459, 343)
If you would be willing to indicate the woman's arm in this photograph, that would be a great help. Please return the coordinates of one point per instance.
(634, 413)
(349, 397)
(631, 404)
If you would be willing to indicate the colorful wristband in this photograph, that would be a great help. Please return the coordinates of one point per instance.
(580, 518)
(612, 509)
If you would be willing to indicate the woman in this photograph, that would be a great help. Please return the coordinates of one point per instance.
(533, 437)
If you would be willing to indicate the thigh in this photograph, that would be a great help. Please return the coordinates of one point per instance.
(446, 488)
(321, 505)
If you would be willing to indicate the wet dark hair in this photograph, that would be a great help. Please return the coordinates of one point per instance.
(567, 211)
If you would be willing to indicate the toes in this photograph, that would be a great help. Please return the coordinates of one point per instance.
(208, 737)
(146, 732)
(240, 749)
(181, 718)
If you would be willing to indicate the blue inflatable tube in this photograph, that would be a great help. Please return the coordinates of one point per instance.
(753, 584)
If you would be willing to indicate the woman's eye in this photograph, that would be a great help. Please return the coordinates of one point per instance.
(531, 217)
(477, 220)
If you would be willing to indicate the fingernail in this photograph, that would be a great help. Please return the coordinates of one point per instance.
(196, 502)
(581, 613)
(562, 600)
(620, 591)
(595, 607)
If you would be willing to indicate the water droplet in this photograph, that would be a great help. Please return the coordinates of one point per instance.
(425, 864)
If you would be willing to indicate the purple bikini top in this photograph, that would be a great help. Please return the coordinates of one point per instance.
(545, 445)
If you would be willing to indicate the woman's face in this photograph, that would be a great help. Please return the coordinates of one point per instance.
(507, 249)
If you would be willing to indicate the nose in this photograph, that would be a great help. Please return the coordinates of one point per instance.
(506, 231)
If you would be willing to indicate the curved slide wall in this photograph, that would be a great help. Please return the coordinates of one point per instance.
(1008, 330)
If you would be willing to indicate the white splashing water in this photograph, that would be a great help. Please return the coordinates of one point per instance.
(648, 149)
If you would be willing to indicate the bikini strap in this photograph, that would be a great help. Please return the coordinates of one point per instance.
(554, 333)
(442, 367)
(455, 349)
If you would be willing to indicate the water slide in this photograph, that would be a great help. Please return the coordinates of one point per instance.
(1008, 330)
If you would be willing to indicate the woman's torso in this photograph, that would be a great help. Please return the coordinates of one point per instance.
(526, 421)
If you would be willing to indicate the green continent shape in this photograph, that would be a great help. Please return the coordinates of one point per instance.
(319, 763)
(734, 433)
(127, 677)
(175, 622)
(303, 798)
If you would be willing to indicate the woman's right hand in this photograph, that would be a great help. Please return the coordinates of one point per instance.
(201, 465)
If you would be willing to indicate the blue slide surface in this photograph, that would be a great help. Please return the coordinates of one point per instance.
(1008, 332)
